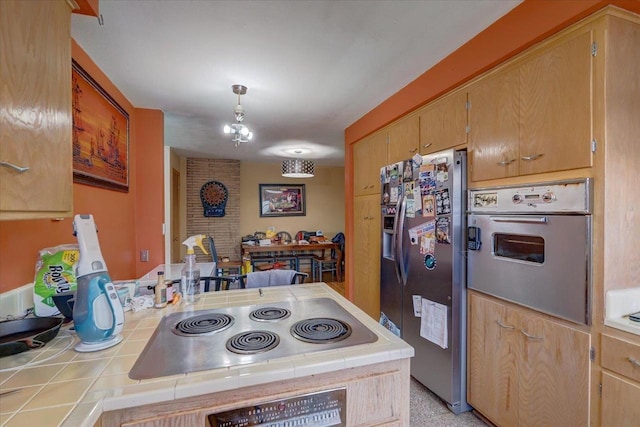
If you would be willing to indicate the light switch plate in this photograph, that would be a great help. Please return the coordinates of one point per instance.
(144, 255)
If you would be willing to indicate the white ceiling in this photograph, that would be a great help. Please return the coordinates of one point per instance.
(312, 67)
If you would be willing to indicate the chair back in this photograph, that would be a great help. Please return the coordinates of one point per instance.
(212, 250)
(284, 237)
(339, 239)
(276, 277)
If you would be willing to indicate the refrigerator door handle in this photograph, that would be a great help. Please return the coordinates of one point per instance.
(394, 241)
(399, 249)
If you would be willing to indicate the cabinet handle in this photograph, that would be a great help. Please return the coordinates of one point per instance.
(530, 158)
(506, 162)
(634, 362)
(503, 326)
(12, 166)
(531, 337)
(427, 145)
(415, 150)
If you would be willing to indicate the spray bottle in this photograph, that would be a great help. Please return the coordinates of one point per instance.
(190, 276)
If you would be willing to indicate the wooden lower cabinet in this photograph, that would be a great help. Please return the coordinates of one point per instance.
(524, 368)
(620, 382)
(376, 395)
(368, 233)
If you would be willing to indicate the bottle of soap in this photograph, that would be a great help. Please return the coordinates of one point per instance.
(161, 291)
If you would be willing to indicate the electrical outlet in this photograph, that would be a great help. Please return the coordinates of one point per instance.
(144, 255)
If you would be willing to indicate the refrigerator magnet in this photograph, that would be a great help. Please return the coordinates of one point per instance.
(443, 227)
(442, 172)
(430, 262)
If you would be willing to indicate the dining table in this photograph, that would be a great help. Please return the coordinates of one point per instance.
(295, 249)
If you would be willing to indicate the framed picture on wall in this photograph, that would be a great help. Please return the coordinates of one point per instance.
(282, 200)
(100, 135)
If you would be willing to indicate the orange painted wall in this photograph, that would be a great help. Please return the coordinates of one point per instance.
(124, 220)
(525, 25)
(149, 203)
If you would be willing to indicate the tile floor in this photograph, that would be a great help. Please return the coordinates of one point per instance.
(427, 410)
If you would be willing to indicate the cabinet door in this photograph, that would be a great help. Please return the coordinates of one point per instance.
(493, 360)
(35, 109)
(620, 398)
(493, 126)
(367, 232)
(403, 139)
(556, 107)
(554, 373)
(443, 124)
(369, 155)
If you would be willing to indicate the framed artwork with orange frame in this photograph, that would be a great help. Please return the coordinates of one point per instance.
(100, 135)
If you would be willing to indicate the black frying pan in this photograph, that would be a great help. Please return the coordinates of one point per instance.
(21, 335)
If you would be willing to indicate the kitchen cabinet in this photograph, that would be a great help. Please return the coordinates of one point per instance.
(368, 234)
(369, 155)
(404, 135)
(494, 126)
(524, 368)
(535, 114)
(443, 123)
(35, 106)
(620, 381)
(365, 405)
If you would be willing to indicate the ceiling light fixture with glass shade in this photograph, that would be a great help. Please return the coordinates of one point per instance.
(298, 168)
(239, 131)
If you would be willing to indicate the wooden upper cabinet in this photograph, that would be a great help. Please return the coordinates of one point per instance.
(494, 126)
(403, 139)
(443, 123)
(369, 155)
(35, 107)
(556, 107)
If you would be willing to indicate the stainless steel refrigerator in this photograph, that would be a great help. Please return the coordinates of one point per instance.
(423, 280)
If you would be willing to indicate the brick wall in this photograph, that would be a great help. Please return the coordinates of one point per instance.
(225, 230)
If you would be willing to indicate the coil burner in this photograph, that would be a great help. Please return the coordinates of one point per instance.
(253, 342)
(270, 314)
(320, 330)
(203, 324)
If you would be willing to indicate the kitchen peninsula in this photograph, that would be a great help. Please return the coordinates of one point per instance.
(71, 389)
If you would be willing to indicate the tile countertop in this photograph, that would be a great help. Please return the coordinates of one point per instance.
(619, 304)
(60, 387)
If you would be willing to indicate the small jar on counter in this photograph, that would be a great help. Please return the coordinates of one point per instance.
(161, 291)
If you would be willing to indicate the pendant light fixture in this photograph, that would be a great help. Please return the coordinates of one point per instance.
(239, 131)
(297, 168)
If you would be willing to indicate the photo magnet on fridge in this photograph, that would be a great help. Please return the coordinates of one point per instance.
(442, 230)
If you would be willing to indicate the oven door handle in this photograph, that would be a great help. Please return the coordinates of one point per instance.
(523, 218)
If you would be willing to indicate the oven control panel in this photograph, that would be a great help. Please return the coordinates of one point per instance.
(322, 409)
(553, 197)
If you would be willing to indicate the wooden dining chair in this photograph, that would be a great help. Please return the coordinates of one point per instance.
(286, 258)
(228, 267)
(323, 264)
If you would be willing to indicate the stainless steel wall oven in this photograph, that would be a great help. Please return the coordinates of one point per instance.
(532, 245)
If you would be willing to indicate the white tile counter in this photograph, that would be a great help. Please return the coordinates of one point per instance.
(60, 387)
(619, 304)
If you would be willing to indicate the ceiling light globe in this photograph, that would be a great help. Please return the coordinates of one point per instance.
(226, 129)
(244, 131)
